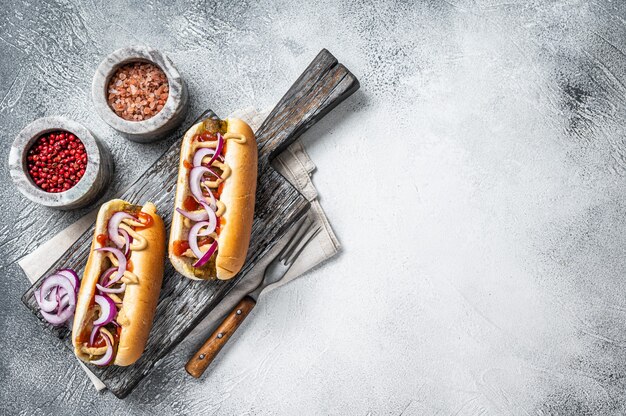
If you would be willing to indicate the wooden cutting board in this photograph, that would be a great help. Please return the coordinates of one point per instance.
(184, 302)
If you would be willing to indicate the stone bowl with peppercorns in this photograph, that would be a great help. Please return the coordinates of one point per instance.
(57, 162)
(139, 92)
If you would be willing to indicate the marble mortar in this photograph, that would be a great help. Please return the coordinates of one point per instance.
(97, 175)
(164, 121)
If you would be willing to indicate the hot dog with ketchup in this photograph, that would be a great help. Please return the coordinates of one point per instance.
(120, 287)
(214, 205)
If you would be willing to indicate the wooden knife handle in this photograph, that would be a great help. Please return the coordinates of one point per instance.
(209, 350)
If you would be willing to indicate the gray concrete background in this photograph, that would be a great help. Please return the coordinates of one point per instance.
(476, 182)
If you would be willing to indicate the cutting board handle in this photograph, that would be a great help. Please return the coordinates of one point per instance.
(321, 87)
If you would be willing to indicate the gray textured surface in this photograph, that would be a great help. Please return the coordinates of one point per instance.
(486, 277)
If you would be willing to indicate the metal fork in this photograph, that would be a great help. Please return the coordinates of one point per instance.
(274, 272)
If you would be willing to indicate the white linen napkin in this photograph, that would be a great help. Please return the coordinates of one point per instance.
(294, 163)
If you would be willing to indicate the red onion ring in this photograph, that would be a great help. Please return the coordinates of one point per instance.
(53, 294)
(107, 310)
(92, 336)
(54, 282)
(212, 202)
(44, 303)
(212, 224)
(64, 301)
(127, 241)
(60, 317)
(205, 151)
(108, 355)
(121, 261)
(104, 278)
(207, 214)
(194, 232)
(61, 288)
(212, 172)
(103, 289)
(113, 227)
(72, 276)
(201, 154)
(195, 178)
(206, 255)
(218, 149)
(194, 216)
(212, 219)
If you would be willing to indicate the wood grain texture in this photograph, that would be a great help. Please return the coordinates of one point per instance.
(214, 344)
(184, 302)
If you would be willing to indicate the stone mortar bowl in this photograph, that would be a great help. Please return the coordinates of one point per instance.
(97, 175)
(164, 121)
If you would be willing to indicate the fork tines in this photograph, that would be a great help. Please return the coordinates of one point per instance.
(307, 229)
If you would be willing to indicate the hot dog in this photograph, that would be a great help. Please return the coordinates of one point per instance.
(214, 205)
(120, 287)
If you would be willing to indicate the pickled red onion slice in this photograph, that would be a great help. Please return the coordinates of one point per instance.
(72, 276)
(211, 217)
(107, 310)
(127, 240)
(201, 154)
(196, 178)
(60, 317)
(195, 232)
(50, 288)
(104, 278)
(213, 202)
(103, 289)
(113, 227)
(121, 261)
(218, 149)
(206, 256)
(193, 215)
(92, 336)
(57, 296)
(108, 355)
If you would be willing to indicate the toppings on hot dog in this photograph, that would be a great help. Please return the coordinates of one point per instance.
(120, 288)
(214, 199)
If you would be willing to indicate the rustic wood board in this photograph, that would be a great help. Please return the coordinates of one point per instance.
(184, 302)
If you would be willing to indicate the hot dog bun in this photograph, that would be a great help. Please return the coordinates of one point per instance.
(140, 299)
(238, 195)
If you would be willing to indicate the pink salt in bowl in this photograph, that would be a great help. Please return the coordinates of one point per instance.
(155, 120)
